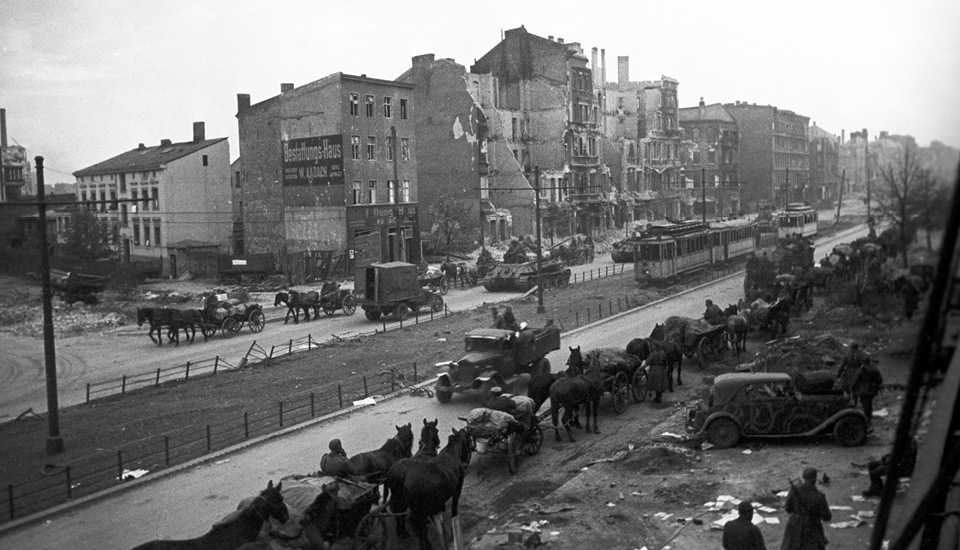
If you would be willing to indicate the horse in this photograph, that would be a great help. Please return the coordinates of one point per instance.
(236, 530)
(296, 301)
(374, 464)
(158, 318)
(672, 349)
(188, 319)
(429, 445)
(576, 389)
(737, 328)
(430, 484)
(538, 388)
(451, 271)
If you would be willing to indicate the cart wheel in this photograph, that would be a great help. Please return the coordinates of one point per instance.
(349, 305)
(371, 533)
(640, 384)
(208, 329)
(229, 325)
(703, 351)
(257, 321)
(514, 452)
(371, 314)
(400, 311)
(328, 311)
(437, 305)
(535, 440)
(442, 285)
(619, 394)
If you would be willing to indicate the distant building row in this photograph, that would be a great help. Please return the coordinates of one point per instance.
(365, 166)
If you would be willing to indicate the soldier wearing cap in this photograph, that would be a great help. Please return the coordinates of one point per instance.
(808, 508)
(741, 533)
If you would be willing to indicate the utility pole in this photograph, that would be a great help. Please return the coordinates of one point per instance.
(703, 187)
(54, 441)
(536, 190)
(866, 173)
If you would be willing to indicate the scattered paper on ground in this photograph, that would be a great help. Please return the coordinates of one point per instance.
(134, 474)
(367, 401)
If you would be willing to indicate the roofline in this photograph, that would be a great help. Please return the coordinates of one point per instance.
(91, 171)
(398, 83)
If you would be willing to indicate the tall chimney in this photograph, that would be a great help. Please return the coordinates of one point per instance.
(703, 108)
(3, 128)
(199, 132)
(243, 102)
(603, 66)
(286, 87)
(623, 69)
(593, 65)
(843, 137)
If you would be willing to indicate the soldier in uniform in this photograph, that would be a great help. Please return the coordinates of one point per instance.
(808, 508)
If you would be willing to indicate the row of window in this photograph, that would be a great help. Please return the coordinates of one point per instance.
(146, 233)
(386, 105)
(368, 195)
(372, 152)
(151, 175)
(786, 160)
(149, 200)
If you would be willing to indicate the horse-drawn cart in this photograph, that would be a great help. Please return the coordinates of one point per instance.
(499, 432)
(230, 315)
(697, 338)
(433, 280)
(332, 298)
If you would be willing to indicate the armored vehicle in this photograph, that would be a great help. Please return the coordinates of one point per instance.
(523, 277)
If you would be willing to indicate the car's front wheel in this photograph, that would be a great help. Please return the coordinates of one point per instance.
(850, 431)
(723, 433)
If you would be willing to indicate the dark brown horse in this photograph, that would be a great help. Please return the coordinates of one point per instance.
(373, 465)
(577, 389)
(157, 318)
(296, 301)
(430, 484)
(393, 488)
(235, 531)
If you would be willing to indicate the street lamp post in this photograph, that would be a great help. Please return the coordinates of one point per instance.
(536, 190)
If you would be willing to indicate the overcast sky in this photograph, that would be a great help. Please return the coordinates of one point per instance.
(83, 81)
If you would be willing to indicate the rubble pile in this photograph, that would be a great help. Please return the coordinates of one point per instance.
(68, 320)
(798, 354)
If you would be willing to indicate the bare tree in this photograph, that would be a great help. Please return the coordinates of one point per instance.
(453, 219)
(902, 198)
(89, 237)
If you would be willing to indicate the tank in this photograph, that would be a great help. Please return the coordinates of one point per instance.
(523, 277)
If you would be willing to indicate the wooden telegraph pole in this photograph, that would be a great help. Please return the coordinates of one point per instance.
(54, 440)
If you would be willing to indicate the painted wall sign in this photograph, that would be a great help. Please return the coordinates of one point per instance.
(313, 161)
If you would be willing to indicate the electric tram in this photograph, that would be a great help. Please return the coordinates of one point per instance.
(664, 252)
(799, 218)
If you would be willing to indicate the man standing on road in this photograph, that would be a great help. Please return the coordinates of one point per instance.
(741, 533)
(866, 385)
(849, 368)
(657, 380)
(807, 508)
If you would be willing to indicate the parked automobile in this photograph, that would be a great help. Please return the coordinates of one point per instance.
(757, 405)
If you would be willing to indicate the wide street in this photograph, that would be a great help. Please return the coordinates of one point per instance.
(128, 351)
(187, 502)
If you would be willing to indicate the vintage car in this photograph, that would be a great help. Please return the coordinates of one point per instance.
(497, 357)
(769, 405)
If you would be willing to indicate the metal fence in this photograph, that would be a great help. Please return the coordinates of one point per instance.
(100, 471)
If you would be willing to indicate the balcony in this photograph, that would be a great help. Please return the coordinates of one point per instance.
(584, 160)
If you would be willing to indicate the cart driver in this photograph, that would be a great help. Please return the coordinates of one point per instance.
(518, 406)
(713, 314)
(329, 291)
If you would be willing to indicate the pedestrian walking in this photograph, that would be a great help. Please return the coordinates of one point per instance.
(657, 374)
(866, 385)
(911, 298)
(808, 508)
(741, 533)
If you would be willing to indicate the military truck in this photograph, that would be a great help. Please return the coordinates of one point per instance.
(496, 357)
(523, 277)
(392, 289)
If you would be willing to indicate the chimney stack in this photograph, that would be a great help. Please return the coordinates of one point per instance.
(623, 70)
(702, 104)
(199, 132)
(593, 65)
(550, 38)
(141, 147)
(3, 128)
(603, 66)
(425, 59)
(703, 108)
(843, 136)
(559, 40)
(286, 87)
(243, 102)
(165, 143)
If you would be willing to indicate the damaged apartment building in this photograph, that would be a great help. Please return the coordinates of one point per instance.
(529, 102)
(330, 166)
